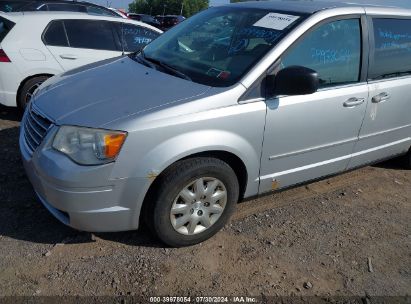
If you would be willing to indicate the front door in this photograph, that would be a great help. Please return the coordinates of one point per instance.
(311, 136)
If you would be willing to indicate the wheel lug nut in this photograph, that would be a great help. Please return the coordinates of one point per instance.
(200, 213)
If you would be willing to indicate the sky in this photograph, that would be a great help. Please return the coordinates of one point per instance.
(124, 3)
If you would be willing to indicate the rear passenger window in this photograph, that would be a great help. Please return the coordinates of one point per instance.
(87, 34)
(5, 27)
(392, 53)
(136, 37)
(333, 50)
(55, 34)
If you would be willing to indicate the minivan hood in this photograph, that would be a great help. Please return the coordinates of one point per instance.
(109, 90)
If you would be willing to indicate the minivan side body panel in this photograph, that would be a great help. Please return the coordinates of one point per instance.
(386, 130)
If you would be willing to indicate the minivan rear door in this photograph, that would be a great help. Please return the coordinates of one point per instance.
(311, 136)
(79, 42)
(386, 130)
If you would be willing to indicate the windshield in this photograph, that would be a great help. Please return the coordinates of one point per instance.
(217, 47)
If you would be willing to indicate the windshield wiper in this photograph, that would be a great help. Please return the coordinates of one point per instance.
(165, 66)
(140, 59)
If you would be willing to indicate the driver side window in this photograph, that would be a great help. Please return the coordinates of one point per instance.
(333, 50)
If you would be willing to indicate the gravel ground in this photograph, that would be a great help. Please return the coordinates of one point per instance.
(349, 235)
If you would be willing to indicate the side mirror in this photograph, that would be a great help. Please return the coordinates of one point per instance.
(296, 80)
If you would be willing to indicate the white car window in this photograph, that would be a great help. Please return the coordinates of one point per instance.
(55, 34)
(90, 34)
(136, 37)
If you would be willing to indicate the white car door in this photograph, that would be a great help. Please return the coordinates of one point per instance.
(78, 42)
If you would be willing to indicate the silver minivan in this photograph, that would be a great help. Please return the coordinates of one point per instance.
(237, 101)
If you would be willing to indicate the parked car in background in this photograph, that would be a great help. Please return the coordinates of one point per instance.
(169, 21)
(11, 6)
(145, 18)
(55, 5)
(159, 19)
(37, 45)
(118, 12)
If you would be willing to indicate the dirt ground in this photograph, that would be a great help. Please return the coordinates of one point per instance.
(348, 235)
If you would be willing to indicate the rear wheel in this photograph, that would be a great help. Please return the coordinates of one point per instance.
(195, 199)
(27, 90)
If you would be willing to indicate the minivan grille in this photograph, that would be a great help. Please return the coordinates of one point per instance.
(35, 128)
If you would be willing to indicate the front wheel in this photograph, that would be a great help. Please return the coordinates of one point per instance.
(408, 160)
(195, 199)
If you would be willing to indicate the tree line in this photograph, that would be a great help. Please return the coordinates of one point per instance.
(186, 8)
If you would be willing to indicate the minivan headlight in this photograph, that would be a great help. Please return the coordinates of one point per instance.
(88, 146)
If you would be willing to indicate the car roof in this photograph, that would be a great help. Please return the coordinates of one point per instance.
(61, 2)
(304, 6)
(73, 15)
(69, 2)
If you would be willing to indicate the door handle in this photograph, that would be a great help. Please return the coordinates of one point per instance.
(352, 102)
(381, 97)
(69, 57)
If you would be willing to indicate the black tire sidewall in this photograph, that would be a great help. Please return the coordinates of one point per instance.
(21, 102)
(175, 182)
(408, 160)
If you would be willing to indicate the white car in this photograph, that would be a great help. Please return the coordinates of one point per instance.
(37, 45)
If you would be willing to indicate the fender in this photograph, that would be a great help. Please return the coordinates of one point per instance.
(40, 71)
(184, 145)
(157, 144)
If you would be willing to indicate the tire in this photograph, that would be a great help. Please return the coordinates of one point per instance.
(28, 89)
(189, 175)
(407, 160)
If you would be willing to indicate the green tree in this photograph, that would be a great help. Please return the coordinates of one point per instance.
(168, 7)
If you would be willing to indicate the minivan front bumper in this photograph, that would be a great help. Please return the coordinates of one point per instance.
(83, 197)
